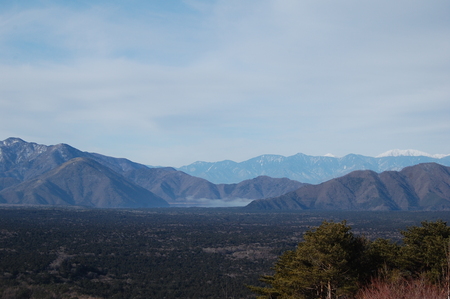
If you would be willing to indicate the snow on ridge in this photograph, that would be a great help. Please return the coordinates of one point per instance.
(330, 155)
(269, 158)
(409, 152)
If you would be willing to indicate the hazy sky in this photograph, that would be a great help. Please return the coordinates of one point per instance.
(173, 82)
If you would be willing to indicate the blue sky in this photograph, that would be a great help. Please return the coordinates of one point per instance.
(173, 82)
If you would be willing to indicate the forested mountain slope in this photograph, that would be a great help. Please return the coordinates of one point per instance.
(420, 187)
(81, 182)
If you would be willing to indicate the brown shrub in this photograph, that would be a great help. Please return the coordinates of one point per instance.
(402, 289)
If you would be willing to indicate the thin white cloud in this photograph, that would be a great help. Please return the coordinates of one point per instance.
(249, 77)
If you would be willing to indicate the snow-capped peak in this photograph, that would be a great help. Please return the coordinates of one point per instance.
(330, 155)
(409, 152)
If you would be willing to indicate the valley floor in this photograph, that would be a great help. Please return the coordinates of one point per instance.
(160, 253)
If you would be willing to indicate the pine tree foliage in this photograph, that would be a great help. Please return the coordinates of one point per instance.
(332, 262)
(426, 250)
(327, 264)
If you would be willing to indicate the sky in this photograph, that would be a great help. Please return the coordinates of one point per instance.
(168, 83)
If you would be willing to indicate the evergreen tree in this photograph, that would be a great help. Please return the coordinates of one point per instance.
(425, 250)
(384, 258)
(327, 264)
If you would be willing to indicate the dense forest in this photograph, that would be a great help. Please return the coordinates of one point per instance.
(163, 253)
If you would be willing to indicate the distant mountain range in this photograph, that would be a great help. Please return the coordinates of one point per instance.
(35, 174)
(59, 174)
(420, 187)
(308, 169)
